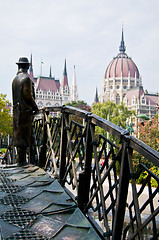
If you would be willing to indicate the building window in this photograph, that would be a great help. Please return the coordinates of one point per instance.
(117, 99)
(117, 87)
(40, 105)
(124, 95)
(48, 104)
(133, 101)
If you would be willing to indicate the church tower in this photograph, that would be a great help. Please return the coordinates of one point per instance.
(74, 93)
(64, 86)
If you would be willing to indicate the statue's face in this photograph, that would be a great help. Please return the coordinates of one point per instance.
(23, 66)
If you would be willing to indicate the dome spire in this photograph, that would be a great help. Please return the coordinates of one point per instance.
(122, 47)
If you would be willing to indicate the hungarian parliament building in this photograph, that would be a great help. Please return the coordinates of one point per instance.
(50, 92)
(123, 83)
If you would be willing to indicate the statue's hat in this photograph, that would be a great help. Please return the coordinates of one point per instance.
(23, 60)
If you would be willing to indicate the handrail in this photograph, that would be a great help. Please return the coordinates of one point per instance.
(74, 153)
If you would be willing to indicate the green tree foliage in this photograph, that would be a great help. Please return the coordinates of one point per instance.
(79, 104)
(118, 114)
(149, 134)
(5, 117)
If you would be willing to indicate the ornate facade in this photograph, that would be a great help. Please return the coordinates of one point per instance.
(48, 90)
(121, 75)
(122, 83)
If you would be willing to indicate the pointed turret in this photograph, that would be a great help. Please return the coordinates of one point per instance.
(74, 93)
(31, 69)
(64, 79)
(50, 75)
(122, 47)
(96, 99)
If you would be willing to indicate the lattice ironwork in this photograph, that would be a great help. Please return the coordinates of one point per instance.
(137, 224)
(103, 190)
(75, 151)
(53, 144)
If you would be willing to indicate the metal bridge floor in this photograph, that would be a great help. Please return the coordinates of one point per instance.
(34, 206)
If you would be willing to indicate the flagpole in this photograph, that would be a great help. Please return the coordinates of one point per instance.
(41, 67)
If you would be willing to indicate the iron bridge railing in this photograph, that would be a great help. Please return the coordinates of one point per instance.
(99, 173)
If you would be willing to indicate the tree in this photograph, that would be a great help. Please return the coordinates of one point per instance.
(5, 117)
(118, 114)
(149, 134)
(79, 104)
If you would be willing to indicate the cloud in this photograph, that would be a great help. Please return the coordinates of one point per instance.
(86, 32)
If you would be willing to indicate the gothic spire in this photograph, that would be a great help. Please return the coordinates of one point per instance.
(65, 71)
(64, 79)
(122, 47)
(96, 99)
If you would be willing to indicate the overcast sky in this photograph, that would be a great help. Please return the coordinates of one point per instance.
(85, 32)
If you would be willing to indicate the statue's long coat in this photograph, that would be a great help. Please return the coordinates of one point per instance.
(23, 107)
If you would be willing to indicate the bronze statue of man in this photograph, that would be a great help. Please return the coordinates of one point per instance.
(23, 107)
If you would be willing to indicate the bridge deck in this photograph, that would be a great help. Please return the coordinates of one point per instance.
(34, 206)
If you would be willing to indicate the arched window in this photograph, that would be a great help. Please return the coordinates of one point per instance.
(117, 99)
(48, 104)
(40, 104)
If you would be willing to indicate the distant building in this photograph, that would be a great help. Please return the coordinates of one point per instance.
(123, 83)
(121, 74)
(48, 90)
(141, 101)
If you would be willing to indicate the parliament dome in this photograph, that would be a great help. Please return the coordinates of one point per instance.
(122, 65)
(120, 75)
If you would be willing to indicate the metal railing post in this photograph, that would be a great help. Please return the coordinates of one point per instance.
(122, 194)
(84, 177)
(42, 154)
(63, 146)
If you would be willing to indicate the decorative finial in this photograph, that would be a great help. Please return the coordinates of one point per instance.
(122, 47)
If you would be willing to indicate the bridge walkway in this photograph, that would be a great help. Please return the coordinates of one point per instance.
(33, 205)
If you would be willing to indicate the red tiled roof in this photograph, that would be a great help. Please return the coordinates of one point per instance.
(46, 84)
(122, 64)
(137, 92)
(152, 98)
